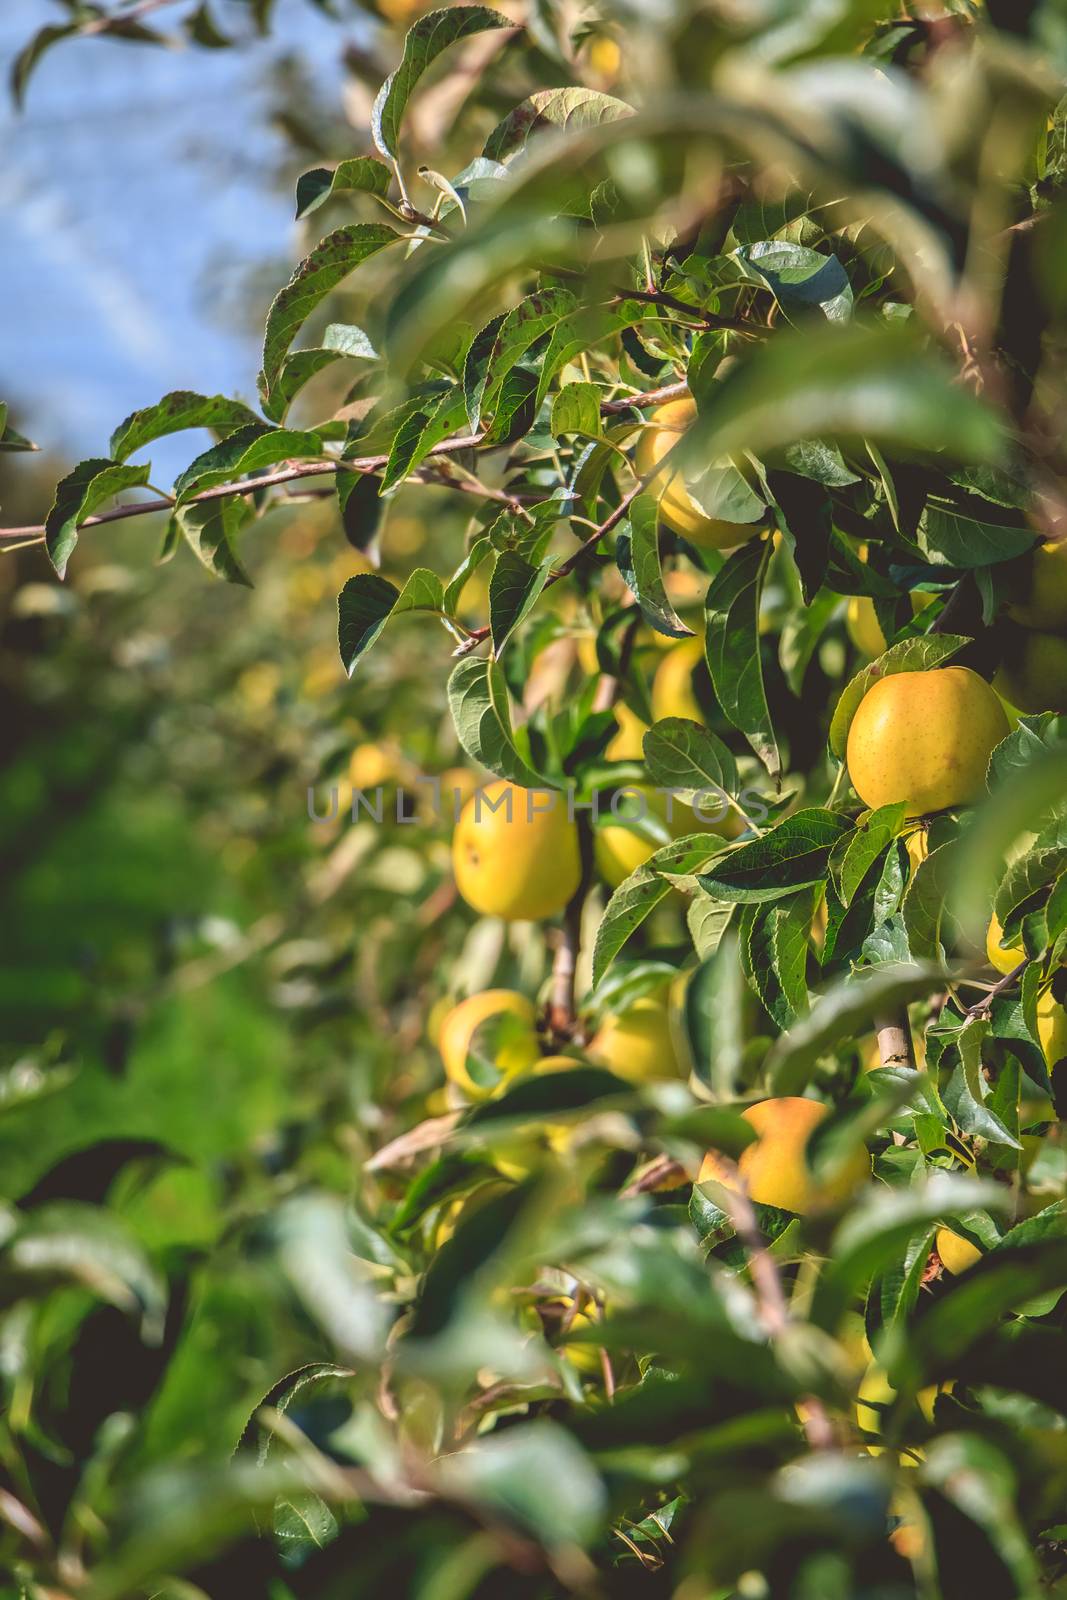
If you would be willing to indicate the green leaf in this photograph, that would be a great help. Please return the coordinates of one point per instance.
(174, 413)
(210, 528)
(513, 590)
(873, 833)
(732, 643)
(966, 1091)
(823, 463)
(527, 322)
(359, 175)
(843, 1011)
(714, 1019)
(28, 57)
(924, 906)
(478, 699)
(682, 756)
(583, 329)
(77, 496)
(248, 451)
(637, 558)
(722, 492)
(341, 341)
(10, 438)
(576, 409)
(639, 894)
(425, 41)
(319, 273)
(777, 957)
(368, 600)
(568, 108)
(800, 279)
(965, 534)
(910, 655)
(787, 857)
(876, 1230)
(420, 433)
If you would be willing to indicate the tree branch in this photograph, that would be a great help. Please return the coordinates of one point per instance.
(894, 1039)
(980, 1007)
(292, 471)
(562, 1014)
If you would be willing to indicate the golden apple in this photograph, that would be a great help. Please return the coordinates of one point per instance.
(956, 1254)
(516, 1049)
(924, 738)
(1004, 960)
(873, 1398)
(864, 629)
(1052, 1027)
(1033, 671)
(773, 1166)
(672, 686)
(1042, 598)
(676, 507)
(626, 745)
(618, 850)
(515, 853)
(638, 1044)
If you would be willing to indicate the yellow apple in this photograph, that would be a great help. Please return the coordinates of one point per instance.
(773, 1167)
(676, 507)
(638, 1044)
(1042, 598)
(924, 738)
(517, 1050)
(672, 686)
(515, 853)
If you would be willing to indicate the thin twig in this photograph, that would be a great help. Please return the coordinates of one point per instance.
(562, 1012)
(980, 1007)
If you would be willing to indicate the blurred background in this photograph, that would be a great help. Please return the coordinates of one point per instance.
(193, 973)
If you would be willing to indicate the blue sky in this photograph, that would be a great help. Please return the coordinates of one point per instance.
(134, 178)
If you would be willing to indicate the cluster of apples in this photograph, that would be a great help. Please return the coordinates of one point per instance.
(921, 738)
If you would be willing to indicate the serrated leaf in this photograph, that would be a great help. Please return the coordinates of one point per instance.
(965, 1093)
(964, 534)
(513, 590)
(478, 700)
(787, 857)
(873, 833)
(682, 756)
(319, 273)
(637, 558)
(576, 409)
(778, 957)
(175, 412)
(78, 495)
(732, 644)
(210, 528)
(244, 453)
(425, 41)
(639, 894)
(823, 463)
(368, 600)
(800, 279)
(359, 175)
(420, 433)
(910, 655)
(523, 325)
(341, 341)
(582, 329)
(924, 908)
(567, 108)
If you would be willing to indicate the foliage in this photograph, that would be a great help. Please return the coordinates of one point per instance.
(283, 1309)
